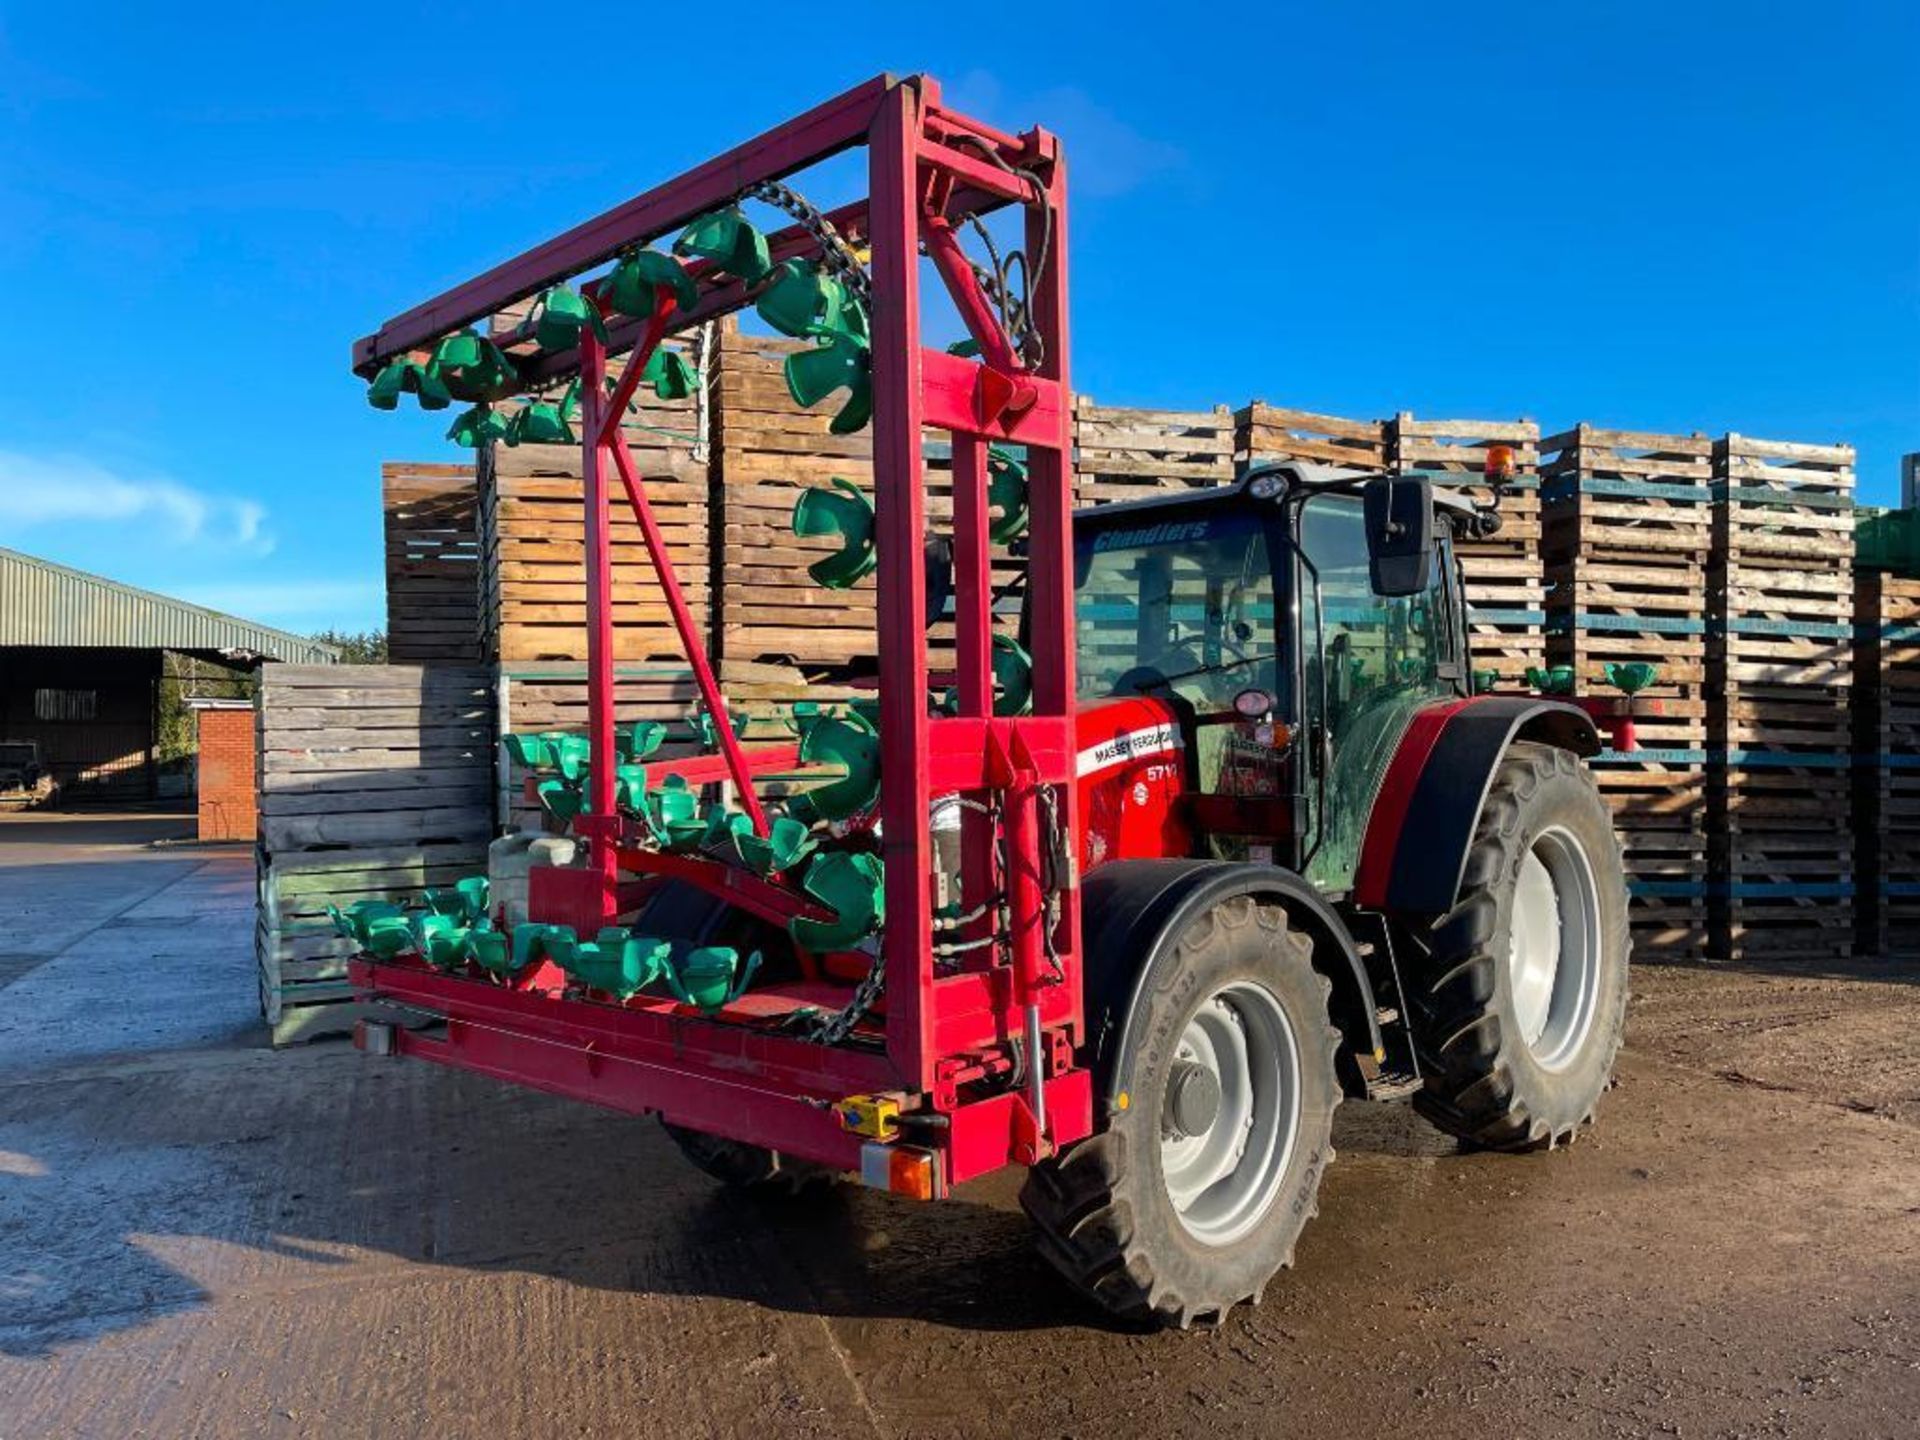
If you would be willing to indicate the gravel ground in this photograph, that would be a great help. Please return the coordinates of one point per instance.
(199, 1237)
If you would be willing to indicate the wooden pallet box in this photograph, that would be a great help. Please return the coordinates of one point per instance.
(1886, 774)
(374, 781)
(1626, 492)
(1123, 454)
(431, 519)
(768, 452)
(1506, 582)
(1779, 497)
(1266, 434)
(532, 528)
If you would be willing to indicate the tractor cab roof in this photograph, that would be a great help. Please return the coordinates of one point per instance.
(1295, 476)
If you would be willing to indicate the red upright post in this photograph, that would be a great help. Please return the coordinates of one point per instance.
(593, 372)
(900, 529)
(1050, 522)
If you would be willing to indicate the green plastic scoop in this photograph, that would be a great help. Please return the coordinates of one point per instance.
(1485, 680)
(727, 239)
(668, 372)
(560, 314)
(843, 511)
(477, 426)
(851, 745)
(630, 788)
(616, 960)
(634, 285)
(841, 361)
(471, 367)
(562, 799)
(465, 900)
(1012, 680)
(641, 740)
(1007, 493)
(1630, 676)
(673, 814)
(441, 939)
(853, 888)
(358, 920)
(801, 301)
(1555, 680)
(709, 737)
(546, 422)
(787, 842)
(501, 954)
(406, 376)
(706, 979)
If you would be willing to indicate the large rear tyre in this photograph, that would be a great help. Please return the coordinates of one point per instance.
(1194, 1195)
(1519, 992)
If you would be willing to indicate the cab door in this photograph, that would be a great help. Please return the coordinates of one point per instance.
(1367, 663)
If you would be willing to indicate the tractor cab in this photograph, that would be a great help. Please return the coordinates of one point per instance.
(1292, 624)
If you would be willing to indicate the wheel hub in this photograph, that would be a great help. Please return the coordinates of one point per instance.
(1193, 1100)
(1230, 1112)
(1553, 952)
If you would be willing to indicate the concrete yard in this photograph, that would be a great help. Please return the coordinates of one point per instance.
(200, 1237)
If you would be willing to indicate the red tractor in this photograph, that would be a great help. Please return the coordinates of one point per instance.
(1134, 894)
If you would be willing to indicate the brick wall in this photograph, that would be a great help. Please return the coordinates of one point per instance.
(227, 774)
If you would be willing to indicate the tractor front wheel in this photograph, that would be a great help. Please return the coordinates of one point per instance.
(1519, 992)
(1193, 1196)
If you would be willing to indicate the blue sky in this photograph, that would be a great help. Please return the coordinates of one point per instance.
(1676, 216)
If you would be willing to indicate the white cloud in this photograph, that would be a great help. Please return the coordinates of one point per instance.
(47, 490)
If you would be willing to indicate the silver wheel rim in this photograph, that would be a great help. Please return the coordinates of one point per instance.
(1223, 1180)
(1553, 951)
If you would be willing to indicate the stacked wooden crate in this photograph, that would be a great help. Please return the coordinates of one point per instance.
(782, 636)
(532, 536)
(533, 527)
(1886, 730)
(433, 563)
(1506, 589)
(1779, 669)
(1626, 534)
(1126, 454)
(1266, 434)
(769, 611)
(374, 781)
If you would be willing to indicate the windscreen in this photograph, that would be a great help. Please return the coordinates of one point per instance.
(1183, 603)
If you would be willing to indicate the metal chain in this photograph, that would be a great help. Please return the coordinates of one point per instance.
(835, 252)
(832, 1031)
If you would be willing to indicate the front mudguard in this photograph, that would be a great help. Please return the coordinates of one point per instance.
(1429, 802)
(1133, 909)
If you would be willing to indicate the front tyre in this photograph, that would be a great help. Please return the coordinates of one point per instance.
(1519, 991)
(1196, 1192)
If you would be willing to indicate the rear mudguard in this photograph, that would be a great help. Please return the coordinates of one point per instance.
(1428, 807)
(1134, 909)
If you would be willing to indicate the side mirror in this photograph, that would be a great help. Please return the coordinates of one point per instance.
(1399, 517)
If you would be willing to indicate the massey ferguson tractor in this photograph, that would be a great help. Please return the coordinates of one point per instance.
(1129, 888)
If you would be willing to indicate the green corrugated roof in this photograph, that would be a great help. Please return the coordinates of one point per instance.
(42, 603)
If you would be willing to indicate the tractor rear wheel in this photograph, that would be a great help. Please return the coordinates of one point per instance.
(1193, 1196)
(1519, 991)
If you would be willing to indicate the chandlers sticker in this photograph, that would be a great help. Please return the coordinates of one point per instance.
(1133, 745)
(1166, 533)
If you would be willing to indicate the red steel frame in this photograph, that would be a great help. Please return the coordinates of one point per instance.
(942, 1032)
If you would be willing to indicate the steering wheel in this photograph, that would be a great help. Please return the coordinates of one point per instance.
(1176, 663)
